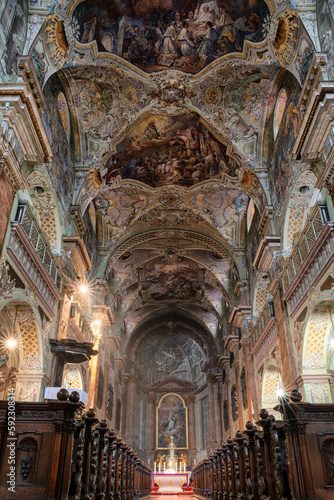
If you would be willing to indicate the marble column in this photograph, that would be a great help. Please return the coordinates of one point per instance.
(212, 410)
(218, 380)
(192, 428)
(151, 427)
(124, 409)
(239, 398)
(288, 369)
(229, 407)
(131, 410)
(252, 399)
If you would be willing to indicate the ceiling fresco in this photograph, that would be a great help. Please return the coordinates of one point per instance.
(162, 34)
(172, 115)
(170, 150)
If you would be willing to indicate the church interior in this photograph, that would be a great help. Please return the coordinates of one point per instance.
(167, 249)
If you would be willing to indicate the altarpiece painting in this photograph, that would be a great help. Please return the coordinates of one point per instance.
(171, 421)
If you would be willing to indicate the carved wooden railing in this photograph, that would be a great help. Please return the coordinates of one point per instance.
(79, 325)
(39, 241)
(257, 327)
(317, 220)
(61, 454)
(292, 459)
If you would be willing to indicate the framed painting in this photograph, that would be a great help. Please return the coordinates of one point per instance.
(171, 421)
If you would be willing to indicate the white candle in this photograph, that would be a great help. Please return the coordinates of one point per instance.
(176, 466)
(155, 467)
(164, 466)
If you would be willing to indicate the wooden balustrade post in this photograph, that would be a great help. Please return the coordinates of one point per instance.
(253, 448)
(101, 460)
(272, 455)
(123, 464)
(111, 464)
(219, 474)
(232, 468)
(212, 476)
(215, 476)
(242, 482)
(226, 490)
(118, 468)
(90, 420)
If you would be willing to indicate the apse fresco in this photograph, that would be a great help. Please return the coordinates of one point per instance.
(171, 422)
(160, 34)
(169, 150)
(171, 280)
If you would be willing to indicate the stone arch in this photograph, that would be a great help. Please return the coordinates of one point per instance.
(302, 197)
(21, 323)
(44, 201)
(151, 325)
(260, 294)
(317, 353)
(271, 384)
(72, 377)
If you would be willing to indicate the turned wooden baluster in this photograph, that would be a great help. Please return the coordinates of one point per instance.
(219, 474)
(101, 460)
(111, 465)
(253, 449)
(212, 484)
(232, 471)
(118, 468)
(240, 449)
(77, 459)
(271, 458)
(124, 449)
(226, 490)
(87, 454)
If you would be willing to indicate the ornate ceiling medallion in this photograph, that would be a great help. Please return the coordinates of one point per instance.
(57, 35)
(286, 39)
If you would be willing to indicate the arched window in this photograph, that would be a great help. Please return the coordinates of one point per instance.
(279, 110)
(250, 213)
(64, 113)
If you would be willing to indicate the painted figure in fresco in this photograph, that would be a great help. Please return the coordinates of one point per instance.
(207, 48)
(187, 40)
(178, 152)
(155, 35)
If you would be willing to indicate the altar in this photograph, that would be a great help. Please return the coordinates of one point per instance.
(171, 482)
(172, 479)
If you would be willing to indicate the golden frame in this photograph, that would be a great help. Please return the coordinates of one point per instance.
(157, 421)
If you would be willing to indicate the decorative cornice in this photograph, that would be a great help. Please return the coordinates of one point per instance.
(174, 384)
(238, 315)
(79, 256)
(224, 362)
(23, 257)
(120, 362)
(231, 342)
(266, 217)
(264, 257)
(265, 342)
(313, 269)
(16, 101)
(27, 72)
(76, 216)
(103, 312)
